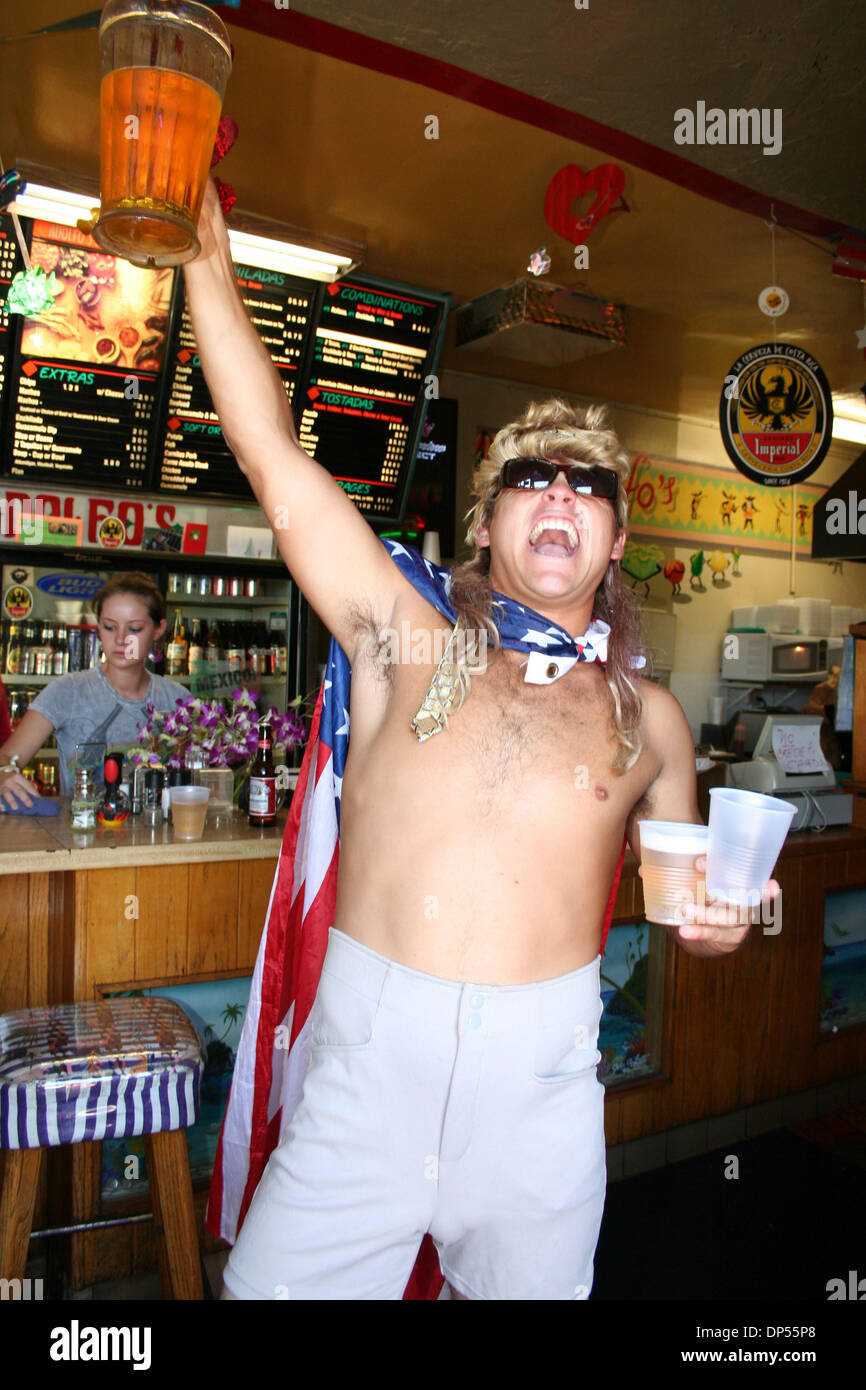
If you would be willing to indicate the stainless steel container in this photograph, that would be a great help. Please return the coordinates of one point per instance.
(190, 584)
(203, 584)
(252, 588)
(236, 587)
(218, 586)
(175, 583)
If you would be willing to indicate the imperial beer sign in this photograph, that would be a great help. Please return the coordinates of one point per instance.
(776, 414)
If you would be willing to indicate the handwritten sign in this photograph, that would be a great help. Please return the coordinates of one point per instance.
(798, 748)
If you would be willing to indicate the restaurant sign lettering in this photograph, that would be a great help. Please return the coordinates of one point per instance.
(691, 504)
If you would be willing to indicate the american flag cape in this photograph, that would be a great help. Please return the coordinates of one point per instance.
(274, 1048)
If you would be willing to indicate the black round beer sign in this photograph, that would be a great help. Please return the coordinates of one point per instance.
(776, 414)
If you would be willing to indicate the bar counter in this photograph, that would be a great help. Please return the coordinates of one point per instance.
(26, 841)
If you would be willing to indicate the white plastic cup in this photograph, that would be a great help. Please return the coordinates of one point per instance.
(189, 811)
(747, 831)
(668, 850)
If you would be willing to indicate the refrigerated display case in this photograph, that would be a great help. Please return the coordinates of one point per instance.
(48, 591)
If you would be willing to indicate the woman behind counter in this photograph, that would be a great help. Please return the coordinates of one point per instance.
(106, 705)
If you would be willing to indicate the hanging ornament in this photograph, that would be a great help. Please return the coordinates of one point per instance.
(773, 301)
(539, 261)
(227, 134)
(11, 184)
(606, 180)
(32, 291)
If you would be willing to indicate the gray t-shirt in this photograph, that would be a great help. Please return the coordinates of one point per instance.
(84, 708)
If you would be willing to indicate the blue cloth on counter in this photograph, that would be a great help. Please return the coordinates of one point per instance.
(42, 806)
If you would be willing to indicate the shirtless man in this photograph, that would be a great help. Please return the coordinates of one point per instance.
(450, 1090)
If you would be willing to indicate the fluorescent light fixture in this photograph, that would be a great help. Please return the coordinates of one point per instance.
(852, 430)
(849, 417)
(288, 257)
(53, 205)
(254, 241)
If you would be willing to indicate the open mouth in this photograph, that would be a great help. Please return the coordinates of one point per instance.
(555, 537)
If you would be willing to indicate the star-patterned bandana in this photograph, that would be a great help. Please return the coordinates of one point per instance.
(551, 650)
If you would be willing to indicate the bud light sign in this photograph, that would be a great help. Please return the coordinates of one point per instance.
(70, 585)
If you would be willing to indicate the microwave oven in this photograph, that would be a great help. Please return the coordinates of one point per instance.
(773, 656)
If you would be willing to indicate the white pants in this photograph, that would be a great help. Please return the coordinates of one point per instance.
(469, 1111)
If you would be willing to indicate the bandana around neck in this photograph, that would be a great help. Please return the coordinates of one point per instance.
(551, 650)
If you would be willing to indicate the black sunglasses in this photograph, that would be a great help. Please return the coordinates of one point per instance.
(540, 473)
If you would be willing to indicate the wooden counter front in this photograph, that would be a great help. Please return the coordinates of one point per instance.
(743, 1029)
(82, 913)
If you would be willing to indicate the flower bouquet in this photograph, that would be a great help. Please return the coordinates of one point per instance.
(223, 733)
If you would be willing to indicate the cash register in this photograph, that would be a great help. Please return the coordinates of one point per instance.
(788, 762)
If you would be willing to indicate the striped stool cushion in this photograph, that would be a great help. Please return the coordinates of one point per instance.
(102, 1070)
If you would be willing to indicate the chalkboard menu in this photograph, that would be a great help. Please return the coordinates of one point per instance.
(10, 264)
(194, 457)
(361, 402)
(85, 374)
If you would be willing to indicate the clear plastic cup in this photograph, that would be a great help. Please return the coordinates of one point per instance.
(189, 811)
(747, 831)
(668, 850)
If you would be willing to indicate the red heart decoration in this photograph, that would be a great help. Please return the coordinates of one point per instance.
(607, 180)
(227, 133)
(226, 195)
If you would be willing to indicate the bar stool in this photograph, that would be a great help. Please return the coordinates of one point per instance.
(110, 1069)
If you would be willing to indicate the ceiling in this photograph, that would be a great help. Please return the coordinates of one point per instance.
(332, 138)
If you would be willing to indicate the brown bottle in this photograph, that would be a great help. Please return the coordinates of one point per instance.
(263, 780)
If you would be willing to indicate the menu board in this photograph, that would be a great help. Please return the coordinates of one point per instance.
(10, 264)
(362, 399)
(194, 457)
(85, 373)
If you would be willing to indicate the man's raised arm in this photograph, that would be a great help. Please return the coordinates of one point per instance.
(333, 555)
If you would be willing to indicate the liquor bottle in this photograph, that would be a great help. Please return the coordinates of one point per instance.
(43, 654)
(60, 658)
(235, 652)
(263, 780)
(213, 642)
(28, 644)
(83, 807)
(113, 806)
(177, 647)
(196, 645)
(13, 650)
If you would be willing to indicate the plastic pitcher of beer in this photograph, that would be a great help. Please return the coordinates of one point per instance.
(165, 65)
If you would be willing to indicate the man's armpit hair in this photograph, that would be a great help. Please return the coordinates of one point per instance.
(365, 628)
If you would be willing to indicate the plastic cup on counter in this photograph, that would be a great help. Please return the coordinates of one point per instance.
(189, 811)
(668, 850)
(746, 833)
